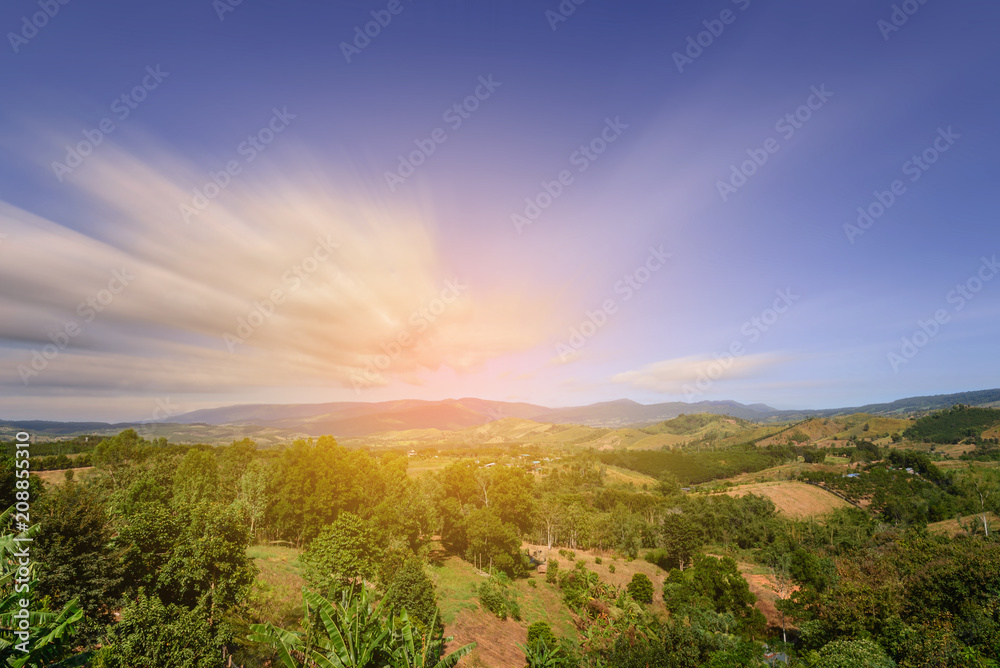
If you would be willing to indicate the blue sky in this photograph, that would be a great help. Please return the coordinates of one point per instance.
(631, 281)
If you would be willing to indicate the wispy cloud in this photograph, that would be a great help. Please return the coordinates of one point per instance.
(308, 278)
(671, 376)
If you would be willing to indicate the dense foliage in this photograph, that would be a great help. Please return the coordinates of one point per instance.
(144, 560)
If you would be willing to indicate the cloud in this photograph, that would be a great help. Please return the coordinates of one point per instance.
(674, 375)
(286, 278)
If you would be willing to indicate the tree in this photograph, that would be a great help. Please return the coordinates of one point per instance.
(493, 543)
(116, 455)
(251, 494)
(854, 654)
(343, 553)
(641, 588)
(679, 539)
(413, 591)
(197, 478)
(715, 584)
(234, 460)
(74, 553)
(667, 484)
(209, 560)
(51, 637)
(512, 496)
(154, 635)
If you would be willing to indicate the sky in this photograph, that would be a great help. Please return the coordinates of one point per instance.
(210, 203)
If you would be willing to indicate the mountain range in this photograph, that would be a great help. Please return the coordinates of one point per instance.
(354, 419)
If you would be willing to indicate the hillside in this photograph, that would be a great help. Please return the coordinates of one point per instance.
(954, 425)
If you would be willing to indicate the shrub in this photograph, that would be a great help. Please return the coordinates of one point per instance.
(598, 560)
(542, 631)
(611, 568)
(552, 571)
(641, 588)
(495, 596)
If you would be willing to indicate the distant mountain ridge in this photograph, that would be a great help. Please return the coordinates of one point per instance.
(354, 419)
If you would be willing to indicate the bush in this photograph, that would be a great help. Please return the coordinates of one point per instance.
(611, 568)
(598, 561)
(552, 571)
(641, 588)
(854, 654)
(413, 591)
(542, 631)
(495, 596)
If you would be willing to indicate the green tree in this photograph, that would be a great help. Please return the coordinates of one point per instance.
(715, 584)
(412, 590)
(208, 562)
(640, 588)
(153, 635)
(854, 654)
(343, 553)
(51, 640)
(117, 455)
(197, 478)
(74, 553)
(493, 543)
(234, 460)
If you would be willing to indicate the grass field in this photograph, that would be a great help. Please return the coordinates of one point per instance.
(953, 528)
(794, 499)
(277, 592)
(58, 476)
(618, 474)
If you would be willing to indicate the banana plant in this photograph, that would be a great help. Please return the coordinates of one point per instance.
(425, 651)
(354, 634)
(51, 632)
(539, 655)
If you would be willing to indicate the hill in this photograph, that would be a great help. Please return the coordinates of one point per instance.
(175, 433)
(954, 425)
(356, 419)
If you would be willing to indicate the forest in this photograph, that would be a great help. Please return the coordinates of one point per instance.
(142, 555)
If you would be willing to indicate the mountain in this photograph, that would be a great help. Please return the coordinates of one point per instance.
(625, 412)
(346, 419)
(353, 419)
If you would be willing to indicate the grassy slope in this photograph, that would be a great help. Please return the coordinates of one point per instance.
(794, 499)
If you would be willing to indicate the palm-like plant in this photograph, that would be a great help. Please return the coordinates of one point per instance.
(539, 655)
(425, 652)
(51, 632)
(354, 634)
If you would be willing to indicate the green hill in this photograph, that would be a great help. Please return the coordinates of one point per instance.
(953, 425)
